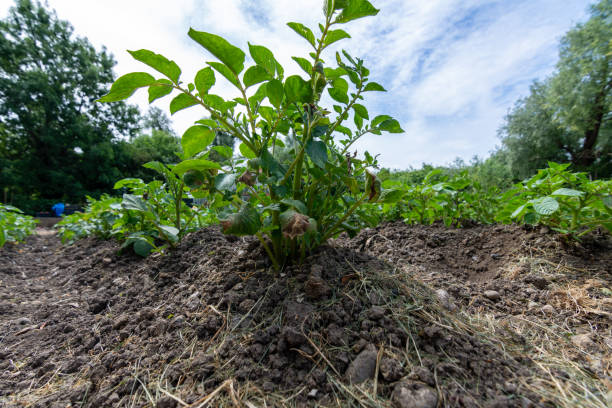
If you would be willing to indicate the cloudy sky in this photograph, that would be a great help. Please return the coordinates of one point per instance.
(453, 68)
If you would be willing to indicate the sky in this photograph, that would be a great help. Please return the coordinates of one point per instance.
(452, 68)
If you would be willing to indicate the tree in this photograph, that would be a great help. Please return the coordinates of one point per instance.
(57, 143)
(566, 118)
(156, 119)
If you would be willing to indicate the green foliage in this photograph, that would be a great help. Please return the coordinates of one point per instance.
(295, 185)
(567, 202)
(55, 142)
(149, 216)
(14, 225)
(566, 118)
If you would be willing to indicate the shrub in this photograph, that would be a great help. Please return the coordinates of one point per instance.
(14, 225)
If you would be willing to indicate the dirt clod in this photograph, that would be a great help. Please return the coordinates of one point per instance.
(363, 367)
(408, 394)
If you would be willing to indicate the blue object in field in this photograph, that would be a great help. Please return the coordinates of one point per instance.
(58, 209)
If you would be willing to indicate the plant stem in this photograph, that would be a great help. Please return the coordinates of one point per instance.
(350, 211)
(270, 254)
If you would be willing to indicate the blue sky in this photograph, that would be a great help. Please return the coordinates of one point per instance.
(452, 68)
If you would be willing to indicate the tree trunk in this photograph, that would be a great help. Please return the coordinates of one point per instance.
(586, 156)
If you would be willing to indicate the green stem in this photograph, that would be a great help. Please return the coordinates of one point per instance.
(267, 248)
(351, 210)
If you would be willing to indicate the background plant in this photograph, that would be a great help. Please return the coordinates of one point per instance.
(14, 225)
(295, 183)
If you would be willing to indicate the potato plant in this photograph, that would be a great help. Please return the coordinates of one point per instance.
(14, 225)
(567, 202)
(295, 183)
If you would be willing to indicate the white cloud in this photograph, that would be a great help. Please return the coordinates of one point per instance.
(452, 67)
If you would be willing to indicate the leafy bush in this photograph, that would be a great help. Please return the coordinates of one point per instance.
(150, 216)
(567, 202)
(295, 184)
(14, 225)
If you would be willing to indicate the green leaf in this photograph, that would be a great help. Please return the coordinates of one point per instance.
(225, 71)
(127, 182)
(339, 90)
(379, 119)
(263, 57)
(304, 64)
(161, 88)
(246, 152)
(304, 31)
(317, 151)
(171, 233)
(126, 85)
(391, 126)
(275, 92)
(358, 121)
(195, 139)
(518, 211)
(225, 182)
(356, 9)
(545, 205)
(156, 166)
(255, 75)
(335, 35)
(204, 80)
(244, 222)
(159, 63)
(607, 200)
(373, 86)
(133, 202)
(224, 151)
(181, 101)
(298, 90)
(270, 163)
(195, 164)
(297, 204)
(567, 192)
(231, 56)
(141, 246)
(361, 111)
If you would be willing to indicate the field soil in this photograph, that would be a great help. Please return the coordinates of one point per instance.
(398, 316)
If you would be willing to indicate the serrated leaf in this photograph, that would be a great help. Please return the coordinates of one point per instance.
(263, 57)
(335, 35)
(126, 85)
(303, 31)
(159, 63)
(204, 80)
(244, 222)
(275, 92)
(255, 75)
(355, 9)
(317, 151)
(230, 55)
(545, 205)
(225, 71)
(373, 86)
(304, 64)
(181, 101)
(361, 111)
(567, 192)
(195, 139)
(194, 164)
(298, 90)
(161, 88)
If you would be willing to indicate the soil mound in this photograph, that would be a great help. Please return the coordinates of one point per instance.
(210, 323)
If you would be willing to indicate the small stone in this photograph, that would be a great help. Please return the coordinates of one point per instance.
(268, 386)
(548, 309)
(492, 295)
(246, 305)
(107, 260)
(445, 300)
(313, 393)
(363, 366)
(532, 305)
(408, 394)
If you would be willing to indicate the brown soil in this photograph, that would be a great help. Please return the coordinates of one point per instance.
(451, 314)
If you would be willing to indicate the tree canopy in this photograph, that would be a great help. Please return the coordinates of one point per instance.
(567, 117)
(56, 142)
